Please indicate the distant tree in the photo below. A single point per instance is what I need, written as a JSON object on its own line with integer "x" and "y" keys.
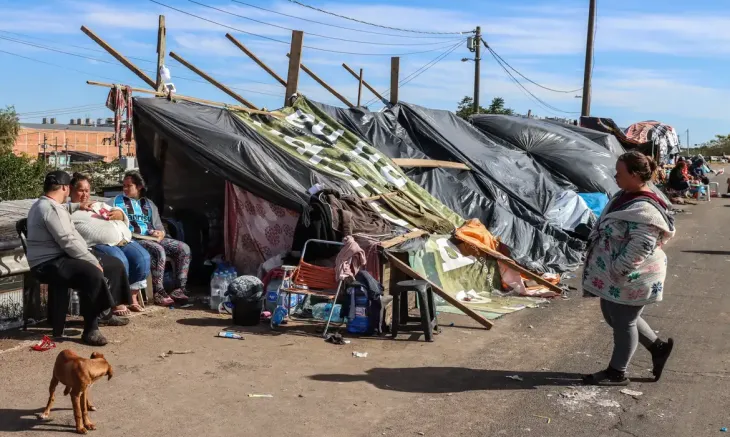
{"x": 21, "y": 177}
{"x": 9, "y": 129}
{"x": 465, "y": 109}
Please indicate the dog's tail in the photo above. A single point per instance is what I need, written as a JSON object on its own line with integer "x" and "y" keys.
{"x": 66, "y": 391}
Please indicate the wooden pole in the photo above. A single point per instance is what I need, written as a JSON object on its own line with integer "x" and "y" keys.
{"x": 295, "y": 60}
{"x": 359, "y": 89}
{"x": 394, "y": 72}
{"x": 364, "y": 82}
{"x": 193, "y": 99}
{"x": 215, "y": 83}
{"x": 325, "y": 85}
{"x": 250, "y": 54}
{"x": 161, "y": 43}
{"x": 119, "y": 57}
{"x": 429, "y": 163}
{"x": 405, "y": 268}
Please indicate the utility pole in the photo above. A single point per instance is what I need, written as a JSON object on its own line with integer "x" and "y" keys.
{"x": 588, "y": 71}
{"x": 45, "y": 146}
{"x": 687, "y": 142}
{"x": 55, "y": 152}
{"x": 477, "y": 61}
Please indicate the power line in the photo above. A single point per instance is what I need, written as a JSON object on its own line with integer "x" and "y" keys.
{"x": 190, "y": 79}
{"x": 373, "y": 24}
{"x": 420, "y": 70}
{"x": 286, "y": 42}
{"x": 47, "y": 111}
{"x": 316, "y": 34}
{"x": 527, "y": 78}
{"x": 61, "y": 66}
{"x": 337, "y": 26}
{"x": 514, "y": 79}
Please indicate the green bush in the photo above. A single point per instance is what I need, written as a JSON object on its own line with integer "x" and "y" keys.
{"x": 21, "y": 177}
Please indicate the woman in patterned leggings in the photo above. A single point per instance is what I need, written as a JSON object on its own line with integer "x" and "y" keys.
{"x": 146, "y": 226}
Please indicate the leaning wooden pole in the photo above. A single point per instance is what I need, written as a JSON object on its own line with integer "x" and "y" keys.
{"x": 295, "y": 60}
{"x": 364, "y": 82}
{"x": 210, "y": 79}
{"x": 326, "y": 86}
{"x": 161, "y": 43}
{"x": 119, "y": 57}
{"x": 255, "y": 58}
{"x": 359, "y": 89}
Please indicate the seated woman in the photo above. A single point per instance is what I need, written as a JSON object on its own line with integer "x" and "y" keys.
{"x": 106, "y": 230}
{"x": 146, "y": 226}
{"x": 678, "y": 180}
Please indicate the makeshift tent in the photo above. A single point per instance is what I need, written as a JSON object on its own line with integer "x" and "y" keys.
{"x": 568, "y": 156}
{"x": 277, "y": 159}
{"x": 663, "y": 138}
{"x": 607, "y": 125}
{"x": 506, "y": 189}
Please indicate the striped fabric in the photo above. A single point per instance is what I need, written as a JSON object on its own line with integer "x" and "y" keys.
{"x": 138, "y": 211}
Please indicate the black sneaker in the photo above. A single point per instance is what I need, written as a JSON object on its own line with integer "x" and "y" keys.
{"x": 660, "y": 352}
{"x": 609, "y": 377}
{"x": 94, "y": 338}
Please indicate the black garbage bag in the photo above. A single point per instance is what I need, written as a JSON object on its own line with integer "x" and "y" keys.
{"x": 247, "y": 295}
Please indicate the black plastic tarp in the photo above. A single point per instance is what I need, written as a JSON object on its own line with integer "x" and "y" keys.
{"x": 603, "y": 139}
{"x": 507, "y": 190}
{"x": 222, "y": 144}
{"x": 565, "y": 154}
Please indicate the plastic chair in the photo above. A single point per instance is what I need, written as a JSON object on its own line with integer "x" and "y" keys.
{"x": 428, "y": 322}
{"x": 710, "y": 190}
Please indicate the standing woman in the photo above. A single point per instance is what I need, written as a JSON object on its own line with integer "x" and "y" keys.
{"x": 144, "y": 220}
{"x": 626, "y": 267}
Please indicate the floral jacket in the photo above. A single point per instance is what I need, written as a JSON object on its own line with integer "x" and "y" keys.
{"x": 625, "y": 261}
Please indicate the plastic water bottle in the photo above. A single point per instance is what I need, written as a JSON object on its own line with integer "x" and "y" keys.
{"x": 280, "y": 312}
{"x": 75, "y": 304}
{"x": 216, "y": 290}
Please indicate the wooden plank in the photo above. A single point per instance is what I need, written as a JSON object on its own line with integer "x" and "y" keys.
{"x": 194, "y": 99}
{"x": 295, "y": 59}
{"x": 161, "y": 49}
{"x": 513, "y": 264}
{"x": 387, "y": 244}
{"x": 119, "y": 57}
{"x": 364, "y": 82}
{"x": 326, "y": 86}
{"x": 359, "y": 89}
{"x": 394, "y": 72}
{"x": 250, "y": 54}
{"x": 210, "y": 79}
{"x": 405, "y": 268}
{"x": 430, "y": 163}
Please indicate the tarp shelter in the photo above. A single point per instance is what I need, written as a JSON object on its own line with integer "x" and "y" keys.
{"x": 277, "y": 159}
{"x": 507, "y": 189}
{"x": 662, "y": 137}
{"x": 606, "y": 140}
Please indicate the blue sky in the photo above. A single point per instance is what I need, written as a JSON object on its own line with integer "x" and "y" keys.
{"x": 661, "y": 60}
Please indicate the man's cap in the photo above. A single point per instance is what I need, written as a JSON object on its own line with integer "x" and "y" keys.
{"x": 58, "y": 177}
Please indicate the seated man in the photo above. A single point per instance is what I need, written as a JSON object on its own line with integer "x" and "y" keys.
{"x": 57, "y": 254}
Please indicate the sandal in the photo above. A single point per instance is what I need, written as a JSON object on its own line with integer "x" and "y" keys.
{"x": 94, "y": 338}
{"x": 179, "y": 296}
{"x": 607, "y": 378}
{"x": 121, "y": 311}
{"x": 136, "y": 308}
{"x": 163, "y": 300}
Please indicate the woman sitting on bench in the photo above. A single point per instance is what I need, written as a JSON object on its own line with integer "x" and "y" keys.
{"x": 146, "y": 226}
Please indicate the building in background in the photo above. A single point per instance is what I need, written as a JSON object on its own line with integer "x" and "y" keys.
{"x": 81, "y": 135}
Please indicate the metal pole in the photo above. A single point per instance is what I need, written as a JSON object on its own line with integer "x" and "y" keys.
{"x": 588, "y": 71}
{"x": 687, "y": 142}
{"x": 477, "y": 61}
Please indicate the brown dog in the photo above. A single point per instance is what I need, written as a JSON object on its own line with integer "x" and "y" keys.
{"x": 78, "y": 375}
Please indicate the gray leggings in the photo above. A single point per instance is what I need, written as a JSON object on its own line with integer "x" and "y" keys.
{"x": 628, "y": 330}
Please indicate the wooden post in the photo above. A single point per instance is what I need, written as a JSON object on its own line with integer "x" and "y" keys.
{"x": 119, "y": 57}
{"x": 215, "y": 83}
{"x": 250, "y": 54}
{"x": 161, "y": 43}
{"x": 325, "y": 85}
{"x": 364, "y": 82}
{"x": 295, "y": 60}
{"x": 405, "y": 268}
{"x": 394, "y": 72}
{"x": 359, "y": 89}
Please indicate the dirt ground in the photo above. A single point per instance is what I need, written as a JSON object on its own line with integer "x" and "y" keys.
{"x": 456, "y": 386}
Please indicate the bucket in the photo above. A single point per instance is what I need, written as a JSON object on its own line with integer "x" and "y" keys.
{"x": 247, "y": 313}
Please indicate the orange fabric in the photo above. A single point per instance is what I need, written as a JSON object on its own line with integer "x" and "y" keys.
{"x": 474, "y": 232}
{"x": 315, "y": 277}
